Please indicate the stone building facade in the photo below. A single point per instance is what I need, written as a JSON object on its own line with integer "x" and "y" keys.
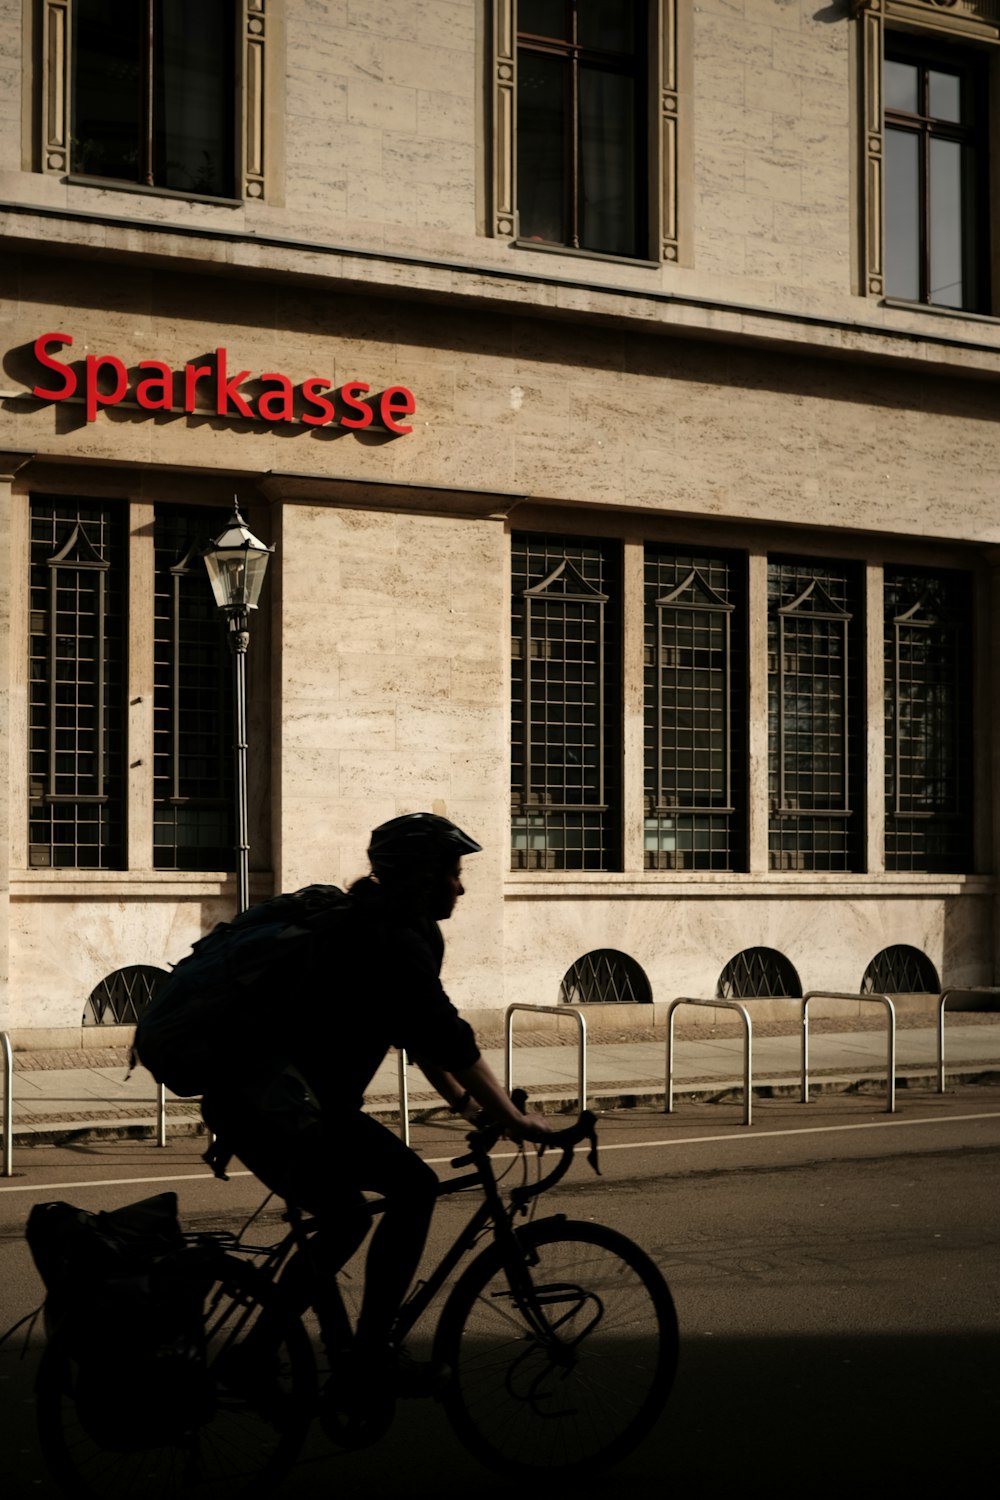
{"x": 618, "y": 385}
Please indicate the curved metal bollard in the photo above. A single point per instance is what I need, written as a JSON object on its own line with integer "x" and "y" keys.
{"x": 890, "y": 1039}
{"x": 404, "y": 1098}
{"x": 668, "y": 1103}
{"x": 8, "y": 1104}
{"x": 547, "y": 1010}
{"x": 946, "y": 996}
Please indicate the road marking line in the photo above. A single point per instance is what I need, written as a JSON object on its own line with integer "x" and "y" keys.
{"x": 437, "y": 1161}
{"x": 762, "y": 1135}
{"x": 51, "y": 1187}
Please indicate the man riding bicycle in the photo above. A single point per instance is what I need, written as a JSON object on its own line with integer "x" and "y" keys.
{"x": 297, "y": 1120}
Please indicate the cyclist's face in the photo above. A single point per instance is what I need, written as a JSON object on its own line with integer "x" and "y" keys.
{"x": 446, "y": 890}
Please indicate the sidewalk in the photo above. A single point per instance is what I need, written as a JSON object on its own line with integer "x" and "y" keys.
{"x": 59, "y": 1096}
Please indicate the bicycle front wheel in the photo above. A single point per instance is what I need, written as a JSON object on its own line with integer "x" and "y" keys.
{"x": 559, "y": 1363}
{"x": 231, "y": 1427}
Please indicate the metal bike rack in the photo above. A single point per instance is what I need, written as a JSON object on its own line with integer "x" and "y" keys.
{"x": 161, "y": 1114}
{"x": 8, "y": 1104}
{"x": 404, "y": 1099}
{"x": 547, "y": 1010}
{"x": 747, "y": 1049}
{"x": 890, "y": 1039}
{"x": 946, "y": 996}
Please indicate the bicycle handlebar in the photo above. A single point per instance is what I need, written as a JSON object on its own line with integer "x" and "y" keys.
{"x": 481, "y": 1143}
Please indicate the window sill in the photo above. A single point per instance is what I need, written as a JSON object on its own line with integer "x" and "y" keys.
{"x": 544, "y": 248}
{"x": 115, "y": 885}
{"x": 784, "y": 885}
{"x": 954, "y": 313}
{"x": 116, "y": 185}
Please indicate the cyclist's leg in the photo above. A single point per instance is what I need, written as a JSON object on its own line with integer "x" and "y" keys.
{"x": 372, "y": 1158}
{"x": 282, "y": 1138}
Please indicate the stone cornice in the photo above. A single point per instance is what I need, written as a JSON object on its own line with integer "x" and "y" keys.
{"x": 914, "y": 337}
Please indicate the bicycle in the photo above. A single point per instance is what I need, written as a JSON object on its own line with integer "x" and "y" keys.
{"x": 556, "y": 1348}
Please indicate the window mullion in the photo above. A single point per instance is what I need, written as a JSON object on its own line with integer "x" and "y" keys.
{"x": 139, "y": 668}
{"x": 148, "y": 94}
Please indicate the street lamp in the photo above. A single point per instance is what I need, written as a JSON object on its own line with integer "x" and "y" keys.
{"x": 236, "y": 563}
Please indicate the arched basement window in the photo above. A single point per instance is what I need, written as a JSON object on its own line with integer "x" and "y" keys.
{"x": 605, "y": 976}
{"x": 900, "y": 970}
{"x": 757, "y": 971}
{"x": 121, "y": 997}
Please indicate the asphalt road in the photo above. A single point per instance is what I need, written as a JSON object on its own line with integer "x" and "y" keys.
{"x": 835, "y": 1272}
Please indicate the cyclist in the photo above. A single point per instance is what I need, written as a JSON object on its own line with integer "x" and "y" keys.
{"x": 297, "y": 1121}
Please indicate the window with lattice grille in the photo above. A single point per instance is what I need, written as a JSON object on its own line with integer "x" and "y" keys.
{"x": 80, "y": 791}
{"x": 814, "y": 716}
{"x": 605, "y": 977}
{"x": 928, "y": 730}
{"x": 192, "y": 705}
{"x": 121, "y": 997}
{"x": 695, "y": 716}
{"x": 564, "y": 699}
{"x": 900, "y": 970}
{"x": 758, "y": 971}
{"x": 76, "y": 723}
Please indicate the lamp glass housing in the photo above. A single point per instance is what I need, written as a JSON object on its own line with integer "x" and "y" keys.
{"x": 236, "y": 563}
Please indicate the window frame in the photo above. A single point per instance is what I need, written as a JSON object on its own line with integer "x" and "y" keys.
{"x": 574, "y": 59}
{"x": 926, "y": 128}
{"x": 137, "y": 721}
{"x": 713, "y": 711}
{"x": 934, "y": 607}
{"x": 927, "y": 23}
{"x": 796, "y": 832}
{"x": 254, "y": 147}
{"x": 596, "y": 809}
{"x": 658, "y": 183}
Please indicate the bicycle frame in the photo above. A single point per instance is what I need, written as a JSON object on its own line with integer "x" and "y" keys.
{"x": 326, "y": 1300}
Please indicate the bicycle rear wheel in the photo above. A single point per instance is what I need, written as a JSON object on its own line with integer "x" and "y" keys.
{"x": 239, "y": 1430}
{"x": 562, "y": 1364}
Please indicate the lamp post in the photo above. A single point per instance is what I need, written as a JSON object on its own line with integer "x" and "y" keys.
{"x": 236, "y": 563}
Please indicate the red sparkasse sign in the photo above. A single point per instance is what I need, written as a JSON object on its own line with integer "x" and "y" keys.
{"x": 105, "y": 382}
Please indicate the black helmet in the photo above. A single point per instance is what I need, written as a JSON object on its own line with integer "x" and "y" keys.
{"x": 417, "y": 839}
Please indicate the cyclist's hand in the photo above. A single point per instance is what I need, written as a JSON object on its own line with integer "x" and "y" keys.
{"x": 531, "y": 1127}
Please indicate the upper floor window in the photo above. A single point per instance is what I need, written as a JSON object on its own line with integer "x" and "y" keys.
{"x": 582, "y": 89}
{"x": 936, "y": 214}
{"x": 166, "y": 96}
{"x": 153, "y": 93}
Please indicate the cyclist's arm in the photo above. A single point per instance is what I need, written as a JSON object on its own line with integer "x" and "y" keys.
{"x": 476, "y": 1087}
{"x": 487, "y": 1090}
{"x": 447, "y": 1085}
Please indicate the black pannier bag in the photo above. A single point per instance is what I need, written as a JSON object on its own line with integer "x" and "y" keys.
{"x": 124, "y": 1302}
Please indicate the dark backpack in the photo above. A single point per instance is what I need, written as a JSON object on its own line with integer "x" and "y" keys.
{"x": 189, "y": 1027}
{"x": 124, "y": 1304}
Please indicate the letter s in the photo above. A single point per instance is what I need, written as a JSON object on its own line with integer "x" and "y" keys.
{"x": 69, "y": 379}
{"x": 311, "y": 392}
{"x": 350, "y": 400}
